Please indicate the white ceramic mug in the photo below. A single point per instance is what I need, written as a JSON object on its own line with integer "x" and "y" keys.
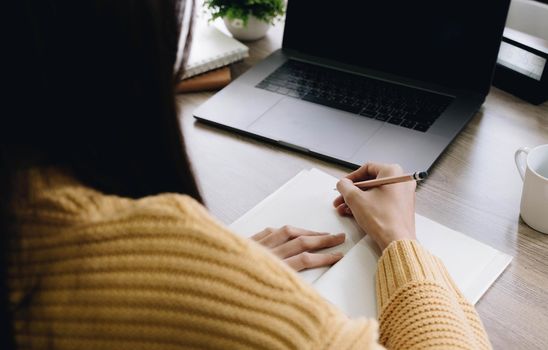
{"x": 532, "y": 165}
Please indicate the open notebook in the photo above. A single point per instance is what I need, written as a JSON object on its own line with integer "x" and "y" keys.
{"x": 305, "y": 201}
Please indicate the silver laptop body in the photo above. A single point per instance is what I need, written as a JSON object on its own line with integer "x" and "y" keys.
{"x": 349, "y": 136}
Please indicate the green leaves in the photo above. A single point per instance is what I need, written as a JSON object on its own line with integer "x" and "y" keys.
{"x": 265, "y": 10}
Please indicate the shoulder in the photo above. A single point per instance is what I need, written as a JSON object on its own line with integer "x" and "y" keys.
{"x": 52, "y": 198}
{"x": 174, "y": 217}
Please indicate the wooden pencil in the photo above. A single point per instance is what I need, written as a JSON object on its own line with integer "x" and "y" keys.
{"x": 418, "y": 176}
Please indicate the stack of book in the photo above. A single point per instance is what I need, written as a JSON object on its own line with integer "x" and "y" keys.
{"x": 211, "y": 53}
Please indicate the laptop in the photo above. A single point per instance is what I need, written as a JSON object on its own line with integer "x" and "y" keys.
{"x": 383, "y": 81}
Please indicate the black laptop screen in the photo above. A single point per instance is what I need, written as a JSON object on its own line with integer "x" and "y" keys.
{"x": 452, "y": 43}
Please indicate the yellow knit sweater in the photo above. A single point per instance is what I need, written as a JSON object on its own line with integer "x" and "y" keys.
{"x": 92, "y": 271}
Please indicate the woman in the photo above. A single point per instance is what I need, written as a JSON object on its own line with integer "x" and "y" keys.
{"x": 106, "y": 244}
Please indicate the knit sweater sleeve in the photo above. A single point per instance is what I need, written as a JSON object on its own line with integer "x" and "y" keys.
{"x": 420, "y": 306}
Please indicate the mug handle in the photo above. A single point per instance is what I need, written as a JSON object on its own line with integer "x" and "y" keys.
{"x": 520, "y": 157}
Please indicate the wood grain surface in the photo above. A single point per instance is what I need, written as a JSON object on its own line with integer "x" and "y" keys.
{"x": 474, "y": 188}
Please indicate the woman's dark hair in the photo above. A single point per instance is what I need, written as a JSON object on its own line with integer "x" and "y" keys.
{"x": 92, "y": 90}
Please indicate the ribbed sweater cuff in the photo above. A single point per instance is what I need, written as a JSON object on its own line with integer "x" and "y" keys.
{"x": 404, "y": 262}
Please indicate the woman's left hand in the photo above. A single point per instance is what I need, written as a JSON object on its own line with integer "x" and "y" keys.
{"x": 294, "y": 246}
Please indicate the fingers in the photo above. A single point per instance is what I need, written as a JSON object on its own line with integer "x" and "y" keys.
{"x": 338, "y": 201}
{"x": 365, "y": 172}
{"x": 348, "y": 191}
{"x": 370, "y": 171}
{"x": 373, "y": 170}
{"x": 277, "y": 237}
{"x": 294, "y": 244}
{"x": 309, "y": 260}
{"x": 258, "y": 236}
{"x": 344, "y": 210}
{"x": 307, "y": 243}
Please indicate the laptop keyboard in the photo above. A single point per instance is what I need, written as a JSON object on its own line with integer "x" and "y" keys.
{"x": 370, "y": 98}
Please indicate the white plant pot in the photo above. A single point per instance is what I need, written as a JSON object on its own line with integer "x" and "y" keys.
{"x": 254, "y": 30}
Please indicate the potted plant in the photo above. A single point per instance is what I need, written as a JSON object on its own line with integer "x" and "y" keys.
{"x": 246, "y": 19}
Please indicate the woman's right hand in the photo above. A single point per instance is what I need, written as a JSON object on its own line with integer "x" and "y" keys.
{"x": 386, "y": 213}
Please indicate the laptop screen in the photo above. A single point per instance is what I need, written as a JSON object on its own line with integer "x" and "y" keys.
{"x": 453, "y": 43}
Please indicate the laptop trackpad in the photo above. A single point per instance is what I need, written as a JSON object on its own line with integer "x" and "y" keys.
{"x": 314, "y": 127}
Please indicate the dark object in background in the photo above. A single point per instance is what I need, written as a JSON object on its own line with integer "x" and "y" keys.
{"x": 522, "y": 64}
{"x": 524, "y": 72}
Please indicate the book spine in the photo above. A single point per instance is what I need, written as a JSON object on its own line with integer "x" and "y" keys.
{"x": 214, "y": 63}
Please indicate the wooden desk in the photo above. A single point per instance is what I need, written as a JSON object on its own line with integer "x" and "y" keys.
{"x": 474, "y": 188}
